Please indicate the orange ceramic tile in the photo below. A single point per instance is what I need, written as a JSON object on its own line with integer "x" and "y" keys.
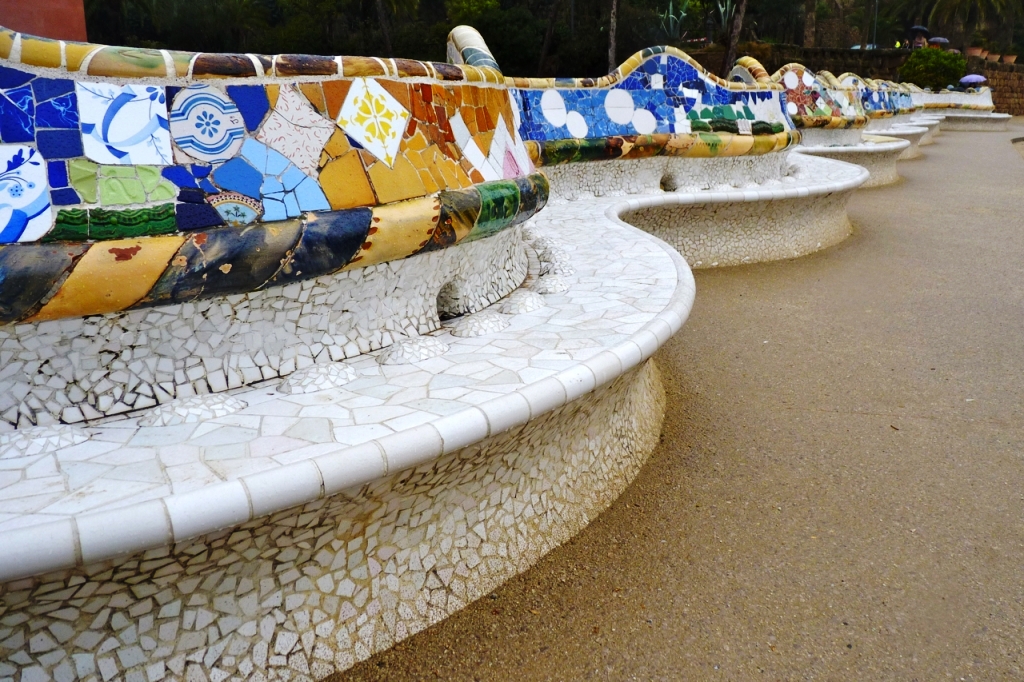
{"x": 273, "y": 91}
{"x": 315, "y": 96}
{"x": 483, "y": 120}
{"x": 75, "y": 54}
{"x": 128, "y": 61}
{"x": 483, "y": 140}
{"x": 345, "y": 183}
{"x": 334, "y": 95}
{"x": 397, "y": 231}
{"x": 6, "y": 42}
{"x": 111, "y": 276}
{"x": 397, "y": 183}
{"x": 398, "y": 90}
{"x": 40, "y": 52}
{"x": 475, "y": 175}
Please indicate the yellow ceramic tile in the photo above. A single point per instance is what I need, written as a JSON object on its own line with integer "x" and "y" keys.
{"x": 428, "y": 181}
{"x": 337, "y": 145}
{"x": 483, "y": 141}
{"x": 397, "y": 230}
{"x": 345, "y": 183}
{"x": 111, "y": 276}
{"x": 182, "y": 60}
{"x": 75, "y": 54}
{"x": 273, "y": 91}
{"x": 417, "y": 142}
{"x": 6, "y": 42}
{"x": 40, "y": 52}
{"x": 396, "y": 183}
{"x": 433, "y": 165}
{"x": 128, "y": 61}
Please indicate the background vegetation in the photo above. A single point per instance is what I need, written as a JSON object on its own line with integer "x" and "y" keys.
{"x": 538, "y": 37}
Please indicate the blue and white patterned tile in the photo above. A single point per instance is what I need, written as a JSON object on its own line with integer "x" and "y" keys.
{"x": 206, "y": 124}
{"x": 25, "y": 213}
{"x": 124, "y": 125}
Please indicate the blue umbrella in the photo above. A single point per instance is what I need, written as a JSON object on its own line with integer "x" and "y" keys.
{"x": 973, "y": 79}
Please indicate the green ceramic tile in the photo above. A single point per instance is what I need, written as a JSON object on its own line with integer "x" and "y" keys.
{"x": 72, "y": 225}
{"x": 137, "y": 222}
{"x": 82, "y": 173}
{"x": 157, "y": 187}
{"x": 498, "y": 207}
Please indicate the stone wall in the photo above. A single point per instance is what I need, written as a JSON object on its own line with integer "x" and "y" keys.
{"x": 1006, "y": 81}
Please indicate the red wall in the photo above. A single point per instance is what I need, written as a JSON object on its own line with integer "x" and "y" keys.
{"x": 64, "y": 19}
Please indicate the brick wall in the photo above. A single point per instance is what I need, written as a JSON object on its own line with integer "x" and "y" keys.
{"x": 1006, "y": 81}
{"x": 63, "y": 19}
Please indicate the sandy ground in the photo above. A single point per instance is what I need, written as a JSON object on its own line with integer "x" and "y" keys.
{"x": 838, "y": 491}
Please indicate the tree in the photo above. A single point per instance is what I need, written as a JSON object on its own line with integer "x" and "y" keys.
{"x": 733, "y": 38}
{"x": 612, "y": 21}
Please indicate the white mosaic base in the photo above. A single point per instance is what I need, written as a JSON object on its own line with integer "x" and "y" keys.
{"x": 931, "y": 124}
{"x": 192, "y": 410}
{"x": 975, "y": 122}
{"x": 877, "y": 154}
{"x": 412, "y": 350}
{"x": 522, "y": 301}
{"x": 86, "y": 368}
{"x": 310, "y": 591}
{"x": 478, "y": 324}
{"x": 317, "y": 378}
{"x": 40, "y": 439}
{"x": 912, "y": 134}
{"x": 662, "y": 173}
{"x": 947, "y": 98}
{"x": 825, "y": 137}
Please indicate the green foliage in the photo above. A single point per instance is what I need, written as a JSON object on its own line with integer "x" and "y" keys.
{"x": 466, "y": 11}
{"x": 933, "y": 69}
{"x": 672, "y": 23}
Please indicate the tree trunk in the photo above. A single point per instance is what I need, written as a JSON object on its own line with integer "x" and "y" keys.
{"x": 548, "y": 35}
{"x": 385, "y": 31}
{"x": 810, "y": 7}
{"x": 612, "y": 63}
{"x": 865, "y": 34}
{"x": 733, "y": 38}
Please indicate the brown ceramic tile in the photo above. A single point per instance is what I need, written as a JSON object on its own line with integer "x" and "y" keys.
{"x": 345, "y": 183}
{"x": 40, "y": 52}
{"x": 398, "y": 90}
{"x": 334, "y": 95}
{"x": 408, "y": 68}
{"x": 448, "y": 72}
{"x": 305, "y": 65}
{"x": 212, "y": 65}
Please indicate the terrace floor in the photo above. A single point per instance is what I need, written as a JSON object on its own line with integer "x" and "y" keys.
{"x": 839, "y": 492}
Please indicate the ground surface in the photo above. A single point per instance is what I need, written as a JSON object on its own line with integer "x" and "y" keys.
{"x": 839, "y": 492}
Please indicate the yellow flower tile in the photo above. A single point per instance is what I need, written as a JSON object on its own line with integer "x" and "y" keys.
{"x": 111, "y": 276}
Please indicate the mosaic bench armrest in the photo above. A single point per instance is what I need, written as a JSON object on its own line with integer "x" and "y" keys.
{"x": 658, "y": 102}
{"x": 119, "y": 188}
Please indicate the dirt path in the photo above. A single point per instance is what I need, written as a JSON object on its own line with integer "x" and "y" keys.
{"x": 839, "y": 493}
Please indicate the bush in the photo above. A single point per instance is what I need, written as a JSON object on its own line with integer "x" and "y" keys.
{"x": 935, "y": 69}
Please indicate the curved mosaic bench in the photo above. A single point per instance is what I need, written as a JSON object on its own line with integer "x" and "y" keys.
{"x": 833, "y": 119}
{"x": 714, "y": 155}
{"x": 306, "y": 515}
{"x": 964, "y": 111}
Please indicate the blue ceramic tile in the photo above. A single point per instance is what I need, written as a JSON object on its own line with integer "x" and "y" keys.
{"x": 310, "y": 197}
{"x": 273, "y": 209}
{"x": 180, "y": 176}
{"x": 328, "y": 242}
{"x": 12, "y": 78}
{"x": 24, "y": 195}
{"x": 57, "y": 171}
{"x": 60, "y": 112}
{"x": 192, "y": 195}
{"x": 196, "y": 216}
{"x": 252, "y": 101}
{"x": 239, "y": 176}
{"x": 64, "y": 197}
{"x": 291, "y": 205}
{"x": 48, "y": 88}
{"x": 17, "y": 113}
{"x": 59, "y": 144}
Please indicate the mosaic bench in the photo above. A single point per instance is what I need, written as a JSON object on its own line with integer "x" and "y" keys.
{"x": 294, "y": 363}
{"x": 712, "y": 156}
{"x": 963, "y": 111}
{"x": 831, "y": 118}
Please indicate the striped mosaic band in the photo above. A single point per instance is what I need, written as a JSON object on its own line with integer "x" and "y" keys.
{"x": 59, "y": 279}
{"x": 133, "y": 62}
{"x": 695, "y": 145}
